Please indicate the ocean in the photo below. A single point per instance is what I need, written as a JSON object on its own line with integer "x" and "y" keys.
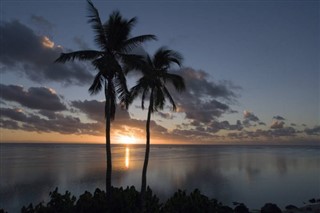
{"x": 251, "y": 174}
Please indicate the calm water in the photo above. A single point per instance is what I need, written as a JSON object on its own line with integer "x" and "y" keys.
{"x": 250, "y": 174}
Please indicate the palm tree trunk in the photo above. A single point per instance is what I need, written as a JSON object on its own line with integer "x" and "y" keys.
{"x": 108, "y": 140}
{"x": 146, "y": 157}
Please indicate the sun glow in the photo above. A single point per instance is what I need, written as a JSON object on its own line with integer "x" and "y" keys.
{"x": 47, "y": 43}
{"x": 125, "y": 139}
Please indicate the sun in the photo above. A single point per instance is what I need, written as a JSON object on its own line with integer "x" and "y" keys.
{"x": 125, "y": 139}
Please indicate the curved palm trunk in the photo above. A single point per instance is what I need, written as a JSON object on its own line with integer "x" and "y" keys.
{"x": 108, "y": 140}
{"x": 146, "y": 157}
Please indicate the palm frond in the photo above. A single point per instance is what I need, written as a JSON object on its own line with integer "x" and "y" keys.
{"x": 97, "y": 26}
{"x": 163, "y": 58}
{"x": 143, "y": 97}
{"x": 159, "y": 98}
{"x": 117, "y": 30}
{"x": 134, "y": 92}
{"x": 97, "y": 84}
{"x": 167, "y": 94}
{"x": 83, "y": 55}
{"x": 131, "y": 23}
{"x": 122, "y": 89}
{"x": 176, "y": 80}
{"x": 132, "y": 43}
{"x": 131, "y": 62}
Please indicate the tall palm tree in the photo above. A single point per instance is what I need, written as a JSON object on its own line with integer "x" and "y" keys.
{"x": 154, "y": 80}
{"x": 114, "y": 41}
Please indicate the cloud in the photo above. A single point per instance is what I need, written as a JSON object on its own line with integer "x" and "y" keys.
{"x": 279, "y": 118}
{"x": 94, "y": 110}
{"x": 249, "y": 116}
{"x": 34, "y": 98}
{"x": 8, "y": 124}
{"x": 41, "y": 22}
{"x": 165, "y": 115}
{"x": 203, "y": 100}
{"x": 313, "y": 131}
{"x": 49, "y": 114}
{"x": 224, "y": 125}
{"x": 63, "y": 124}
{"x": 123, "y": 121}
{"x": 81, "y": 43}
{"x": 263, "y": 134}
{"x": 24, "y": 51}
{"x": 277, "y": 125}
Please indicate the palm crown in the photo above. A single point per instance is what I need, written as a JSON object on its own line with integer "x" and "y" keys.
{"x": 114, "y": 41}
{"x": 156, "y": 76}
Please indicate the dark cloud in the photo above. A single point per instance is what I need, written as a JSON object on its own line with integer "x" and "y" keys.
{"x": 49, "y": 114}
{"x": 41, "y": 22}
{"x": 8, "y": 124}
{"x": 203, "y": 100}
{"x": 13, "y": 114}
{"x": 165, "y": 115}
{"x": 81, "y": 43}
{"x": 191, "y": 135}
{"x": 285, "y": 131}
{"x": 63, "y": 124}
{"x": 277, "y": 125}
{"x": 25, "y": 52}
{"x": 313, "y": 131}
{"x": 34, "y": 98}
{"x": 92, "y": 109}
{"x": 250, "y": 116}
{"x": 216, "y": 126}
{"x": 279, "y": 118}
{"x": 267, "y": 134}
{"x": 123, "y": 121}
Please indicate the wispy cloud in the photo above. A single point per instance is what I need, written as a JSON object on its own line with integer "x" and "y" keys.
{"x": 279, "y": 118}
{"x": 313, "y": 131}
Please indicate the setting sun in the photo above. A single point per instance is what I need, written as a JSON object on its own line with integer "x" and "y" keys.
{"x": 125, "y": 139}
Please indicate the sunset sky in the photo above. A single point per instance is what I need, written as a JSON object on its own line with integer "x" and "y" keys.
{"x": 251, "y": 69}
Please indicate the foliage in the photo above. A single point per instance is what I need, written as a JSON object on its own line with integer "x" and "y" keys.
{"x": 128, "y": 201}
{"x": 122, "y": 200}
{"x": 195, "y": 202}
{"x": 115, "y": 43}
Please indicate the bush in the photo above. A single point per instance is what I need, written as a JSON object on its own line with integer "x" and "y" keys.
{"x": 195, "y": 202}
{"x": 122, "y": 201}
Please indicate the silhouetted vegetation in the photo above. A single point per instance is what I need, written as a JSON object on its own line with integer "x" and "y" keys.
{"x": 115, "y": 44}
{"x": 128, "y": 200}
{"x": 154, "y": 81}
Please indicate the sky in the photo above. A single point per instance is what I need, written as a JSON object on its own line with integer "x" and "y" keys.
{"x": 251, "y": 70}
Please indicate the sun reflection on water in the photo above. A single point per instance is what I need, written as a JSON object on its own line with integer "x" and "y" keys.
{"x": 127, "y": 158}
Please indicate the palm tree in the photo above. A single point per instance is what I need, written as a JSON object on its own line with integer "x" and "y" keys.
{"x": 155, "y": 77}
{"x": 114, "y": 41}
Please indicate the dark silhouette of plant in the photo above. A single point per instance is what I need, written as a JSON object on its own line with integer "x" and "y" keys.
{"x": 123, "y": 201}
{"x": 58, "y": 203}
{"x": 113, "y": 39}
{"x": 195, "y": 202}
{"x": 241, "y": 208}
{"x": 270, "y": 208}
{"x": 154, "y": 80}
